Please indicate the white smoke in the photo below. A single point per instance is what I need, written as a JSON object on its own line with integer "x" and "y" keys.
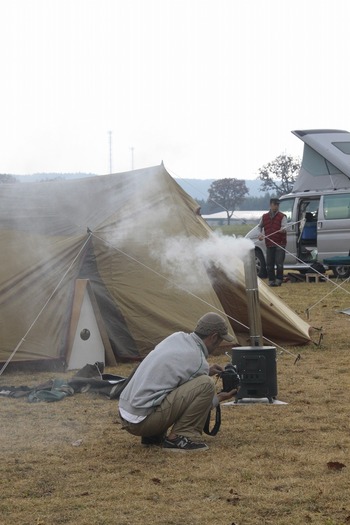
{"x": 187, "y": 258}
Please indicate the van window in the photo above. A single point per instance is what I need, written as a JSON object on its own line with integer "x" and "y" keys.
{"x": 316, "y": 164}
{"x": 310, "y": 207}
{"x": 336, "y": 206}
{"x": 343, "y": 146}
{"x": 286, "y": 207}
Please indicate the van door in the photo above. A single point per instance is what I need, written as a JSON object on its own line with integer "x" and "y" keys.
{"x": 306, "y": 228}
{"x": 287, "y": 207}
{"x": 333, "y": 226}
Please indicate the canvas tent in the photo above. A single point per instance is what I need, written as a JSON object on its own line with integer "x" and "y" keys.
{"x": 325, "y": 164}
{"x": 109, "y": 239}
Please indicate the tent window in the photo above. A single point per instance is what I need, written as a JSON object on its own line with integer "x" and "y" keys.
{"x": 336, "y": 206}
{"x": 316, "y": 164}
{"x": 343, "y": 146}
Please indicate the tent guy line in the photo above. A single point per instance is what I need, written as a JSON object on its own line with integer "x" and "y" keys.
{"x": 167, "y": 279}
{"x": 314, "y": 270}
{"x": 90, "y": 234}
{"x": 191, "y": 293}
{"x": 335, "y": 287}
{"x": 43, "y": 308}
{"x": 149, "y": 216}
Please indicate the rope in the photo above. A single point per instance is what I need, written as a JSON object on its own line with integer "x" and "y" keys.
{"x": 43, "y": 308}
{"x": 188, "y": 292}
{"x": 286, "y": 251}
{"x": 336, "y": 285}
{"x": 90, "y": 233}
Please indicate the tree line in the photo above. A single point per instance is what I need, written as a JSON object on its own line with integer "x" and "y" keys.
{"x": 248, "y": 204}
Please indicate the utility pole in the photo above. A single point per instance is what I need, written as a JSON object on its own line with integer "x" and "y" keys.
{"x": 110, "y": 152}
{"x": 132, "y": 157}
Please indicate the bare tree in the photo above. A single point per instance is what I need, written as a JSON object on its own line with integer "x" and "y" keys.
{"x": 279, "y": 175}
{"x": 228, "y": 193}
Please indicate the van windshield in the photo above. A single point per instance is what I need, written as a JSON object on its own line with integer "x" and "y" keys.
{"x": 286, "y": 207}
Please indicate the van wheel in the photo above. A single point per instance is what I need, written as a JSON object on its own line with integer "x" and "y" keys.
{"x": 341, "y": 271}
{"x": 260, "y": 265}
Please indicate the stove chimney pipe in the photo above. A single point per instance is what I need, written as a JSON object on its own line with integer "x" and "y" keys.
{"x": 255, "y": 364}
{"x": 251, "y": 283}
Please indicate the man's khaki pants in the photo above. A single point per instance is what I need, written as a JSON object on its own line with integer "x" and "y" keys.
{"x": 186, "y": 409}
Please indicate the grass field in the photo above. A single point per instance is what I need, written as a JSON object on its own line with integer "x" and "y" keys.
{"x": 234, "y": 229}
{"x": 70, "y": 463}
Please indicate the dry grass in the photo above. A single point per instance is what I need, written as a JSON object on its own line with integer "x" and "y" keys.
{"x": 267, "y": 465}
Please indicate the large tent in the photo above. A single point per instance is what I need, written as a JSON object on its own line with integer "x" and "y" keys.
{"x": 134, "y": 241}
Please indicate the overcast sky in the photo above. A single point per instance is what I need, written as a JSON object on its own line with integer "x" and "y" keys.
{"x": 212, "y": 88}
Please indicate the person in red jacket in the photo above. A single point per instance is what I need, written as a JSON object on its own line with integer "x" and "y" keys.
{"x": 274, "y": 224}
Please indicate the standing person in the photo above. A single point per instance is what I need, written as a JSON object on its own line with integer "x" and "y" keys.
{"x": 172, "y": 388}
{"x": 274, "y": 224}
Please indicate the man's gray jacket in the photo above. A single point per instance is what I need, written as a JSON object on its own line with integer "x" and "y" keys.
{"x": 176, "y": 360}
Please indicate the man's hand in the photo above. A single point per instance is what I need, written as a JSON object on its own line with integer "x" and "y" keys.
{"x": 261, "y": 237}
{"x": 215, "y": 370}
{"x": 225, "y": 396}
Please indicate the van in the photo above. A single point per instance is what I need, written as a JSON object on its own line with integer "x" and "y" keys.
{"x": 318, "y": 229}
{"x": 318, "y": 208}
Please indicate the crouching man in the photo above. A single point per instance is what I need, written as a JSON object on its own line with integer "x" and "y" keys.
{"x": 172, "y": 390}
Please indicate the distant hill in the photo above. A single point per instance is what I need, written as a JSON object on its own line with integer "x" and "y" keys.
{"x": 39, "y": 177}
{"x": 196, "y": 188}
